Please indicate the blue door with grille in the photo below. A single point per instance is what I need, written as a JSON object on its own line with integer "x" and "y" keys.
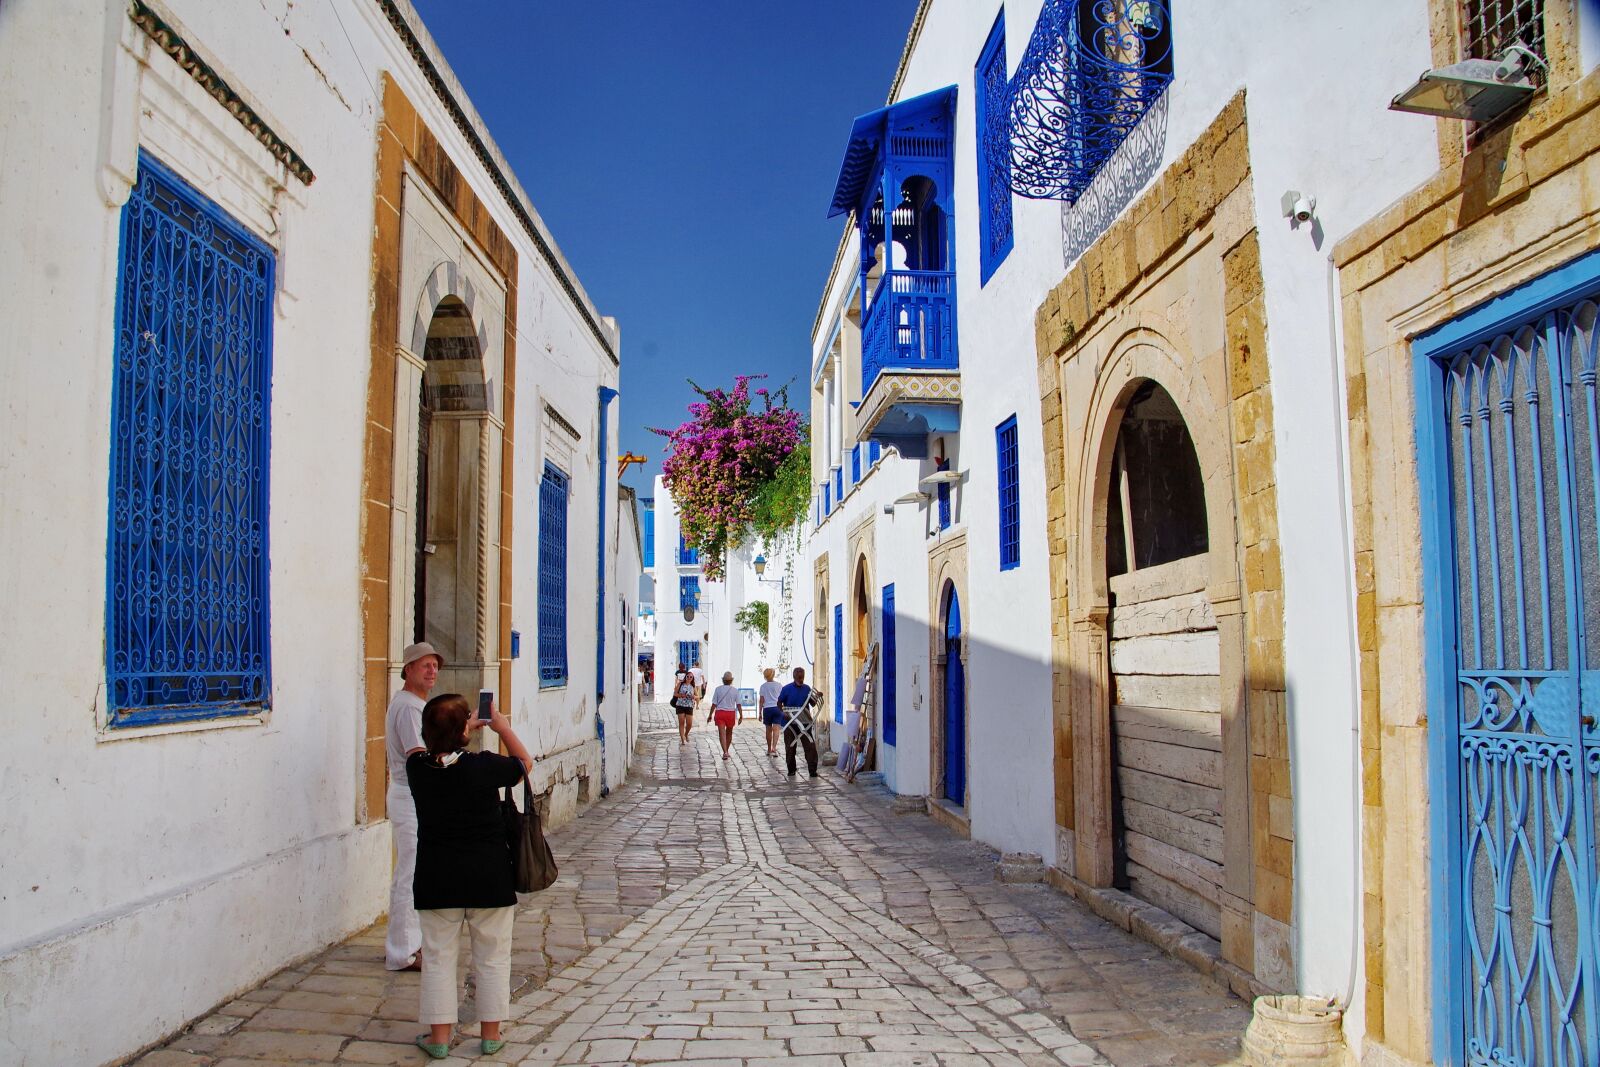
{"x": 1509, "y": 443}
{"x": 955, "y": 706}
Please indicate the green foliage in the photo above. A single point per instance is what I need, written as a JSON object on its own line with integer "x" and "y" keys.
{"x": 782, "y": 500}
{"x": 754, "y": 618}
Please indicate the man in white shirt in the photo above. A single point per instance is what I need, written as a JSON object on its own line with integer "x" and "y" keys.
{"x": 402, "y": 730}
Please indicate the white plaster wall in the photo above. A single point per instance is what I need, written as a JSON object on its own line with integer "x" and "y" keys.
{"x": 1319, "y": 78}
{"x": 210, "y": 855}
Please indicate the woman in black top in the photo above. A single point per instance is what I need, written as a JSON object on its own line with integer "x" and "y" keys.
{"x": 463, "y": 867}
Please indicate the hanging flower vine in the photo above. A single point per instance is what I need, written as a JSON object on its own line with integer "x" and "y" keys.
{"x": 739, "y": 469}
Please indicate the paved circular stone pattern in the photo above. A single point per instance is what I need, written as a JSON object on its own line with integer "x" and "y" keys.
{"x": 720, "y": 913}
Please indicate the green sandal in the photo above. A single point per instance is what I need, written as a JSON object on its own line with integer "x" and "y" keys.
{"x": 437, "y": 1052}
{"x": 491, "y": 1045}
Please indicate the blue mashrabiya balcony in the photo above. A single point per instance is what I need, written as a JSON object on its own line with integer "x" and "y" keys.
{"x": 897, "y": 179}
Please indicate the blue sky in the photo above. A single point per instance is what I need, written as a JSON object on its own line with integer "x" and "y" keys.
{"x": 683, "y": 155}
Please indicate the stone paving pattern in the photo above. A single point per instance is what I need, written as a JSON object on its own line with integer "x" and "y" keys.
{"x": 719, "y": 913}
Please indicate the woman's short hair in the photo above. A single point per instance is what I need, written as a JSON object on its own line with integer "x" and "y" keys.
{"x": 444, "y": 723}
{"x": 768, "y": 673}
{"x": 727, "y": 677}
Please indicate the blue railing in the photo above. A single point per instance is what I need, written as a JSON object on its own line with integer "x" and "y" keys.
{"x": 911, "y": 324}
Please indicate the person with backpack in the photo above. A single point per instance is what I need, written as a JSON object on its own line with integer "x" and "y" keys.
{"x": 683, "y": 699}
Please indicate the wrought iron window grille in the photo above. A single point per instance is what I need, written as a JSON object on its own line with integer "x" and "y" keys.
{"x": 1010, "y": 494}
{"x": 187, "y": 605}
{"x": 553, "y": 577}
{"x": 1091, "y": 72}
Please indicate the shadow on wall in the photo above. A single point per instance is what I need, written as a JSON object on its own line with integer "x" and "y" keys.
{"x": 1127, "y": 172}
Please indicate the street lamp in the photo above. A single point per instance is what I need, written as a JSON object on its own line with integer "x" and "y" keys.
{"x": 760, "y": 564}
{"x": 1479, "y": 90}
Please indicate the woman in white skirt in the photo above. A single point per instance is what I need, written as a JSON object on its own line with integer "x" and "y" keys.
{"x": 463, "y": 868}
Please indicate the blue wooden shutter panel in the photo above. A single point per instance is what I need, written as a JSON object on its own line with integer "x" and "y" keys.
{"x": 187, "y": 605}
{"x": 993, "y": 154}
{"x": 889, "y": 713}
{"x": 1010, "y": 503}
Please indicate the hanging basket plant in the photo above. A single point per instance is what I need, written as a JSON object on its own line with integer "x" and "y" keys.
{"x": 739, "y": 469}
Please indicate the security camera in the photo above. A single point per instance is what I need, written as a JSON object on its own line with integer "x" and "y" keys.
{"x": 1298, "y": 207}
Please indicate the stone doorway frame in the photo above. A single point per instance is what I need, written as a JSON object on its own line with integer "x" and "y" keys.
{"x": 947, "y": 567}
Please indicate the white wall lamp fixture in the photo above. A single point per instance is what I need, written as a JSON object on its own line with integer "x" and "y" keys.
{"x": 908, "y": 498}
{"x": 1477, "y": 90}
{"x": 1298, "y": 208}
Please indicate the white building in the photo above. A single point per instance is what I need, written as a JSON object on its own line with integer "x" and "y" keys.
{"x": 297, "y": 377}
{"x": 1121, "y": 627}
{"x": 709, "y": 634}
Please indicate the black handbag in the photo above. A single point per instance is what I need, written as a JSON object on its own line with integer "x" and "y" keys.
{"x": 533, "y": 865}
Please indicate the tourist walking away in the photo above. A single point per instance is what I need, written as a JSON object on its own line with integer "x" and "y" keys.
{"x": 683, "y": 698}
{"x": 771, "y": 714}
{"x": 464, "y": 871}
{"x": 795, "y": 701}
{"x": 699, "y": 685}
{"x": 402, "y": 732}
{"x": 725, "y": 706}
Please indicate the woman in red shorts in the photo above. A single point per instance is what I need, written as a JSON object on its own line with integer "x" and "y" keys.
{"x": 726, "y": 710}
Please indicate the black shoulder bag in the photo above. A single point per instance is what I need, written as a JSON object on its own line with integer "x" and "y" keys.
{"x": 533, "y": 865}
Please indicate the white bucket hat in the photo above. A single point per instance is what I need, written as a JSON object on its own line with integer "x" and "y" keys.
{"x": 416, "y": 652}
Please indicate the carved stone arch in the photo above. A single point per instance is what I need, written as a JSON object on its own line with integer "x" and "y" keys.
{"x": 1143, "y": 353}
{"x": 446, "y": 280}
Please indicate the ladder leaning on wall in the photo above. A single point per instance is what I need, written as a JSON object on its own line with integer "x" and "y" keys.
{"x": 862, "y": 746}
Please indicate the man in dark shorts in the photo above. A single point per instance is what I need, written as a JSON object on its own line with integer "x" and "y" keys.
{"x": 795, "y": 702}
{"x": 683, "y": 698}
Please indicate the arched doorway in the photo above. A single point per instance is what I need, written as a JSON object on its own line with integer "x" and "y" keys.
{"x": 1166, "y": 726}
{"x": 955, "y": 701}
{"x": 451, "y": 556}
{"x": 861, "y": 642}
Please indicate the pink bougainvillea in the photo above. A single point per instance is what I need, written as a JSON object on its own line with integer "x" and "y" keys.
{"x": 722, "y": 463}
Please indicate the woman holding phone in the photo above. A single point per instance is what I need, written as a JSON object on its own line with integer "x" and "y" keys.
{"x": 464, "y": 873}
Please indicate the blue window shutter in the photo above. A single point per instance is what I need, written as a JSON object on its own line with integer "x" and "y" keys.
{"x": 874, "y": 452}
{"x": 993, "y": 153}
{"x": 607, "y": 394}
{"x": 943, "y": 495}
{"x": 648, "y": 508}
{"x": 689, "y": 653}
{"x": 688, "y": 592}
{"x": 888, "y": 665}
{"x": 838, "y": 663}
{"x": 1010, "y": 509}
{"x": 187, "y": 604}
{"x": 553, "y": 577}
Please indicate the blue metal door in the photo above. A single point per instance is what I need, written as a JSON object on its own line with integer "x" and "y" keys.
{"x": 955, "y": 707}
{"x": 1511, "y": 461}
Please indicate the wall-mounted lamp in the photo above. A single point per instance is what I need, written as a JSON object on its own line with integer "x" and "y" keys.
{"x": 1297, "y": 207}
{"x": 1478, "y": 90}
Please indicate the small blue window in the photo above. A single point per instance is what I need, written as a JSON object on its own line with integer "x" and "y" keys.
{"x": 689, "y": 653}
{"x": 874, "y": 452}
{"x": 838, "y": 663}
{"x": 687, "y": 557}
{"x": 827, "y": 498}
{"x": 943, "y": 496}
{"x": 993, "y": 153}
{"x": 552, "y": 577}
{"x": 186, "y": 600}
{"x": 855, "y": 464}
{"x": 1010, "y": 511}
{"x": 888, "y": 665}
{"x": 688, "y": 592}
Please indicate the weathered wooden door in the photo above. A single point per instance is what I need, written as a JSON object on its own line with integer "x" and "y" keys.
{"x": 1510, "y": 448}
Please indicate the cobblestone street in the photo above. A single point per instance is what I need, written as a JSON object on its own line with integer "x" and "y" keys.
{"x": 723, "y": 914}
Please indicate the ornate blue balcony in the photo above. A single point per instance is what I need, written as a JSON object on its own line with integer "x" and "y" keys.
{"x": 1092, "y": 71}
{"x": 897, "y": 179}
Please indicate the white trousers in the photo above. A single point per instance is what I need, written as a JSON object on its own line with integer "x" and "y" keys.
{"x": 491, "y": 962}
{"x": 405, "y": 934}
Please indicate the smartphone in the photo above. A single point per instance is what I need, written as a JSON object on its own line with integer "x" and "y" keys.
{"x": 485, "y": 702}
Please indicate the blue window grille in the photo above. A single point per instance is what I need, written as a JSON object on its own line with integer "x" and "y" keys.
{"x": 888, "y": 665}
{"x": 647, "y": 507}
{"x": 187, "y": 608}
{"x": 688, "y": 592}
{"x": 855, "y": 464}
{"x": 1010, "y": 510}
{"x": 1090, "y": 74}
{"x": 553, "y": 577}
{"x": 993, "y": 153}
{"x": 942, "y": 494}
{"x": 687, "y": 557}
{"x": 838, "y": 663}
{"x": 689, "y": 653}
